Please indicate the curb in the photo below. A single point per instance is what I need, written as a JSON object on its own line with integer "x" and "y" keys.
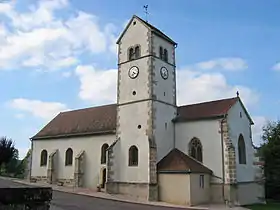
{"x": 106, "y": 198}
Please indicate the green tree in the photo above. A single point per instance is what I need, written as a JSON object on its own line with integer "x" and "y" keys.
{"x": 12, "y": 165}
{"x": 7, "y": 150}
{"x": 270, "y": 152}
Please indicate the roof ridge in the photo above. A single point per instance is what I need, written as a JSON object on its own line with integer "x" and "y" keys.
{"x": 92, "y": 107}
{"x": 206, "y": 102}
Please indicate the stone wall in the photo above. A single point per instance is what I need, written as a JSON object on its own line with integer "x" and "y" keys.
{"x": 35, "y": 198}
{"x": 230, "y": 185}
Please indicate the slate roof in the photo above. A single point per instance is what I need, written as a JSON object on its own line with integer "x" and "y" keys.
{"x": 102, "y": 119}
{"x": 177, "y": 161}
{"x": 151, "y": 27}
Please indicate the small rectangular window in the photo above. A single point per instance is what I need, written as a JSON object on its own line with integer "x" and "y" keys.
{"x": 165, "y": 126}
{"x": 201, "y": 181}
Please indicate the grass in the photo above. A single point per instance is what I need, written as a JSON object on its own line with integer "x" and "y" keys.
{"x": 269, "y": 206}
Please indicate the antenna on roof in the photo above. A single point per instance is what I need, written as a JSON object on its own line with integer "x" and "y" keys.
{"x": 146, "y": 11}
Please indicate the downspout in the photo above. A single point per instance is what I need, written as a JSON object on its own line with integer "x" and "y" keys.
{"x": 223, "y": 157}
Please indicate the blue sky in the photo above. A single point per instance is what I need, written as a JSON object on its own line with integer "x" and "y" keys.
{"x": 59, "y": 55}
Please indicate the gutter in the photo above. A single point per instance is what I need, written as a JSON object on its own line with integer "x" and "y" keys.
{"x": 223, "y": 158}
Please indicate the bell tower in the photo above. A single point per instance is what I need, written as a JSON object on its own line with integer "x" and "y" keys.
{"x": 146, "y": 105}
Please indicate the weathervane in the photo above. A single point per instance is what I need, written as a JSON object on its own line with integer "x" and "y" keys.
{"x": 146, "y": 11}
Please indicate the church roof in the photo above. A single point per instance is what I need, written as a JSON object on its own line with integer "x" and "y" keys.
{"x": 102, "y": 119}
{"x": 177, "y": 161}
{"x": 149, "y": 26}
{"x": 206, "y": 110}
{"x": 94, "y": 120}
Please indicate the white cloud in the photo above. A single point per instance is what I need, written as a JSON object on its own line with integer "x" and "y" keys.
{"x": 276, "y": 67}
{"x": 40, "y": 38}
{"x": 195, "y": 86}
{"x": 19, "y": 116}
{"x": 97, "y": 86}
{"x": 259, "y": 122}
{"x": 5, "y": 8}
{"x": 229, "y": 64}
{"x": 67, "y": 74}
{"x": 37, "y": 108}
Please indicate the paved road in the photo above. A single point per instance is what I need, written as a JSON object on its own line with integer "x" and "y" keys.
{"x": 68, "y": 201}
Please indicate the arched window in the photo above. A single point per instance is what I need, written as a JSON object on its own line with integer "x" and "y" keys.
{"x": 241, "y": 150}
{"x": 160, "y": 52}
{"x": 195, "y": 149}
{"x": 133, "y": 156}
{"x": 130, "y": 54}
{"x": 44, "y": 158}
{"x": 103, "y": 153}
{"x": 165, "y": 55}
{"x": 137, "y": 52}
{"x": 69, "y": 157}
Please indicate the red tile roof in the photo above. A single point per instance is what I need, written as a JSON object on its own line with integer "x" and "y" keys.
{"x": 94, "y": 120}
{"x": 177, "y": 161}
{"x": 102, "y": 119}
{"x": 204, "y": 110}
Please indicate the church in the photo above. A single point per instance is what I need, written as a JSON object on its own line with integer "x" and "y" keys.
{"x": 145, "y": 145}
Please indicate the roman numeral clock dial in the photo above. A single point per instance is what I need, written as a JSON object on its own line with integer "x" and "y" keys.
{"x": 133, "y": 72}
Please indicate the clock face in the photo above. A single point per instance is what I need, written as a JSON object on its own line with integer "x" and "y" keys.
{"x": 133, "y": 72}
{"x": 164, "y": 72}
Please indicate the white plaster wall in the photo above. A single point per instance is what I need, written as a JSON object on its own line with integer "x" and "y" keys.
{"x": 242, "y": 126}
{"x": 199, "y": 195}
{"x": 130, "y": 116}
{"x": 92, "y": 147}
{"x": 164, "y": 128}
{"x": 139, "y": 84}
{"x": 174, "y": 188}
{"x": 208, "y": 133}
{"x": 135, "y": 34}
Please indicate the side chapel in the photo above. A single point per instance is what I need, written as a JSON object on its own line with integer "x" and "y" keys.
{"x": 147, "y": 146}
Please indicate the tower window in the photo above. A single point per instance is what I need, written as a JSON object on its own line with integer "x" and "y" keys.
{"x": 139, "y": 126}
{"x": 160, "y": 53}
{"x": 130, "y": 54}
{"x": 134, "y": 93}
{"x": 133, "y": 156}
{"x": 137, "y": 51}
{"x": 134, "y": 52}
{"x": 165, "y": 55}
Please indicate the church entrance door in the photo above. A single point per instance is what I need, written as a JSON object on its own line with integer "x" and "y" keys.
{"x": 103, "y": 178}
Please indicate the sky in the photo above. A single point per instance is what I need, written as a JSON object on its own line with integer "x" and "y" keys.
{"x": 58, "y": 55}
